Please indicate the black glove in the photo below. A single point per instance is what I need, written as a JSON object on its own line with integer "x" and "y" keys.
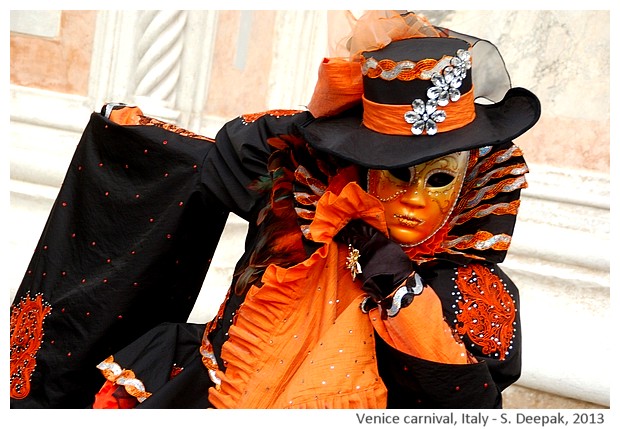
{"x": 384, "y": 265}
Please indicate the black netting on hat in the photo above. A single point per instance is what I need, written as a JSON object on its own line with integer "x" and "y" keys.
{"x": 490, "y": 76}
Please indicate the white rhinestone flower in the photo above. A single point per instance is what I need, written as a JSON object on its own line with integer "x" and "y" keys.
{"x": 424, "y": 116}
{"x": 446, "y": 85}
{"x": 445, "y": 88}
{"x": 461, "y": 63}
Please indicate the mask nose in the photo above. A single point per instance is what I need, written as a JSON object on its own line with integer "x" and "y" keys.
{"x": 414, "y": 196}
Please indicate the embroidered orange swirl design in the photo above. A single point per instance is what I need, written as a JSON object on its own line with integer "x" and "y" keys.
{"x": 402, "y": 70}
{"x": 148, "y": 121}
{"x": 26, "y": 334}
{"x": 487, "y": 310}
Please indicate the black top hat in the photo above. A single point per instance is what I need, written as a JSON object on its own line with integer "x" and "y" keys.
{"x": 418, "y": 104}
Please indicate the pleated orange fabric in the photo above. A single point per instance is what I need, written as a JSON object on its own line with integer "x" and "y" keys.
{"x": 301, "y": 341}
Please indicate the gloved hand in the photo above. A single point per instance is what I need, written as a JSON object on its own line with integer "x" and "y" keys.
{"x": 384, "y": 265}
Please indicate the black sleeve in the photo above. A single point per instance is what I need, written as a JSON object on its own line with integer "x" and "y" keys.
{"x": 481, "y": 304}
{"x": 126, "y": 246}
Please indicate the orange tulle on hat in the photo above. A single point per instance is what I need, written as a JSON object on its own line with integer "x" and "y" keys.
{"x": 339, "y": 85}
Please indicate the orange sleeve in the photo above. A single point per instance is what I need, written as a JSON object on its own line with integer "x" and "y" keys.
{"x": 421, "y": 331}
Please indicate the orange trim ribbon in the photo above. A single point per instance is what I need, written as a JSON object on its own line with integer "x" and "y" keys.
{"x": 390, "y": 118}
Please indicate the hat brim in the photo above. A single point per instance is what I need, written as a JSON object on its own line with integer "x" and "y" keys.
{"x": 346, "y": 137}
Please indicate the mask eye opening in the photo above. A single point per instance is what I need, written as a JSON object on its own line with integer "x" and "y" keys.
{"x": 440, "y": 179}
{"x": 403, "y": 174}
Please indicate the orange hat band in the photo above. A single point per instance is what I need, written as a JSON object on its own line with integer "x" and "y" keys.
{"x": 411, "y": 120}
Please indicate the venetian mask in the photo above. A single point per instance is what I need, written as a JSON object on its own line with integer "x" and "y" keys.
{"x": 418, "y": 200}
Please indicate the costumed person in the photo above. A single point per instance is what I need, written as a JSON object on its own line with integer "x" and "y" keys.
{"x": 377, "y": 220}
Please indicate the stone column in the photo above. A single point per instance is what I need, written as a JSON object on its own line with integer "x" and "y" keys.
{"x": 196, "y": 62}
{"x": 158, "y": 60}
{"x": 296, "y": 59}
{"x": 158, "y": 50}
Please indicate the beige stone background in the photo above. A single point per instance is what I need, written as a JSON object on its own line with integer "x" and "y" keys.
{"x": 249, "y": 61}
{"x": 571, "y": 79}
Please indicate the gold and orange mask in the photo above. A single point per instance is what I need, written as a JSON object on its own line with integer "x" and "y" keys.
{"x": 418, "y": 200}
